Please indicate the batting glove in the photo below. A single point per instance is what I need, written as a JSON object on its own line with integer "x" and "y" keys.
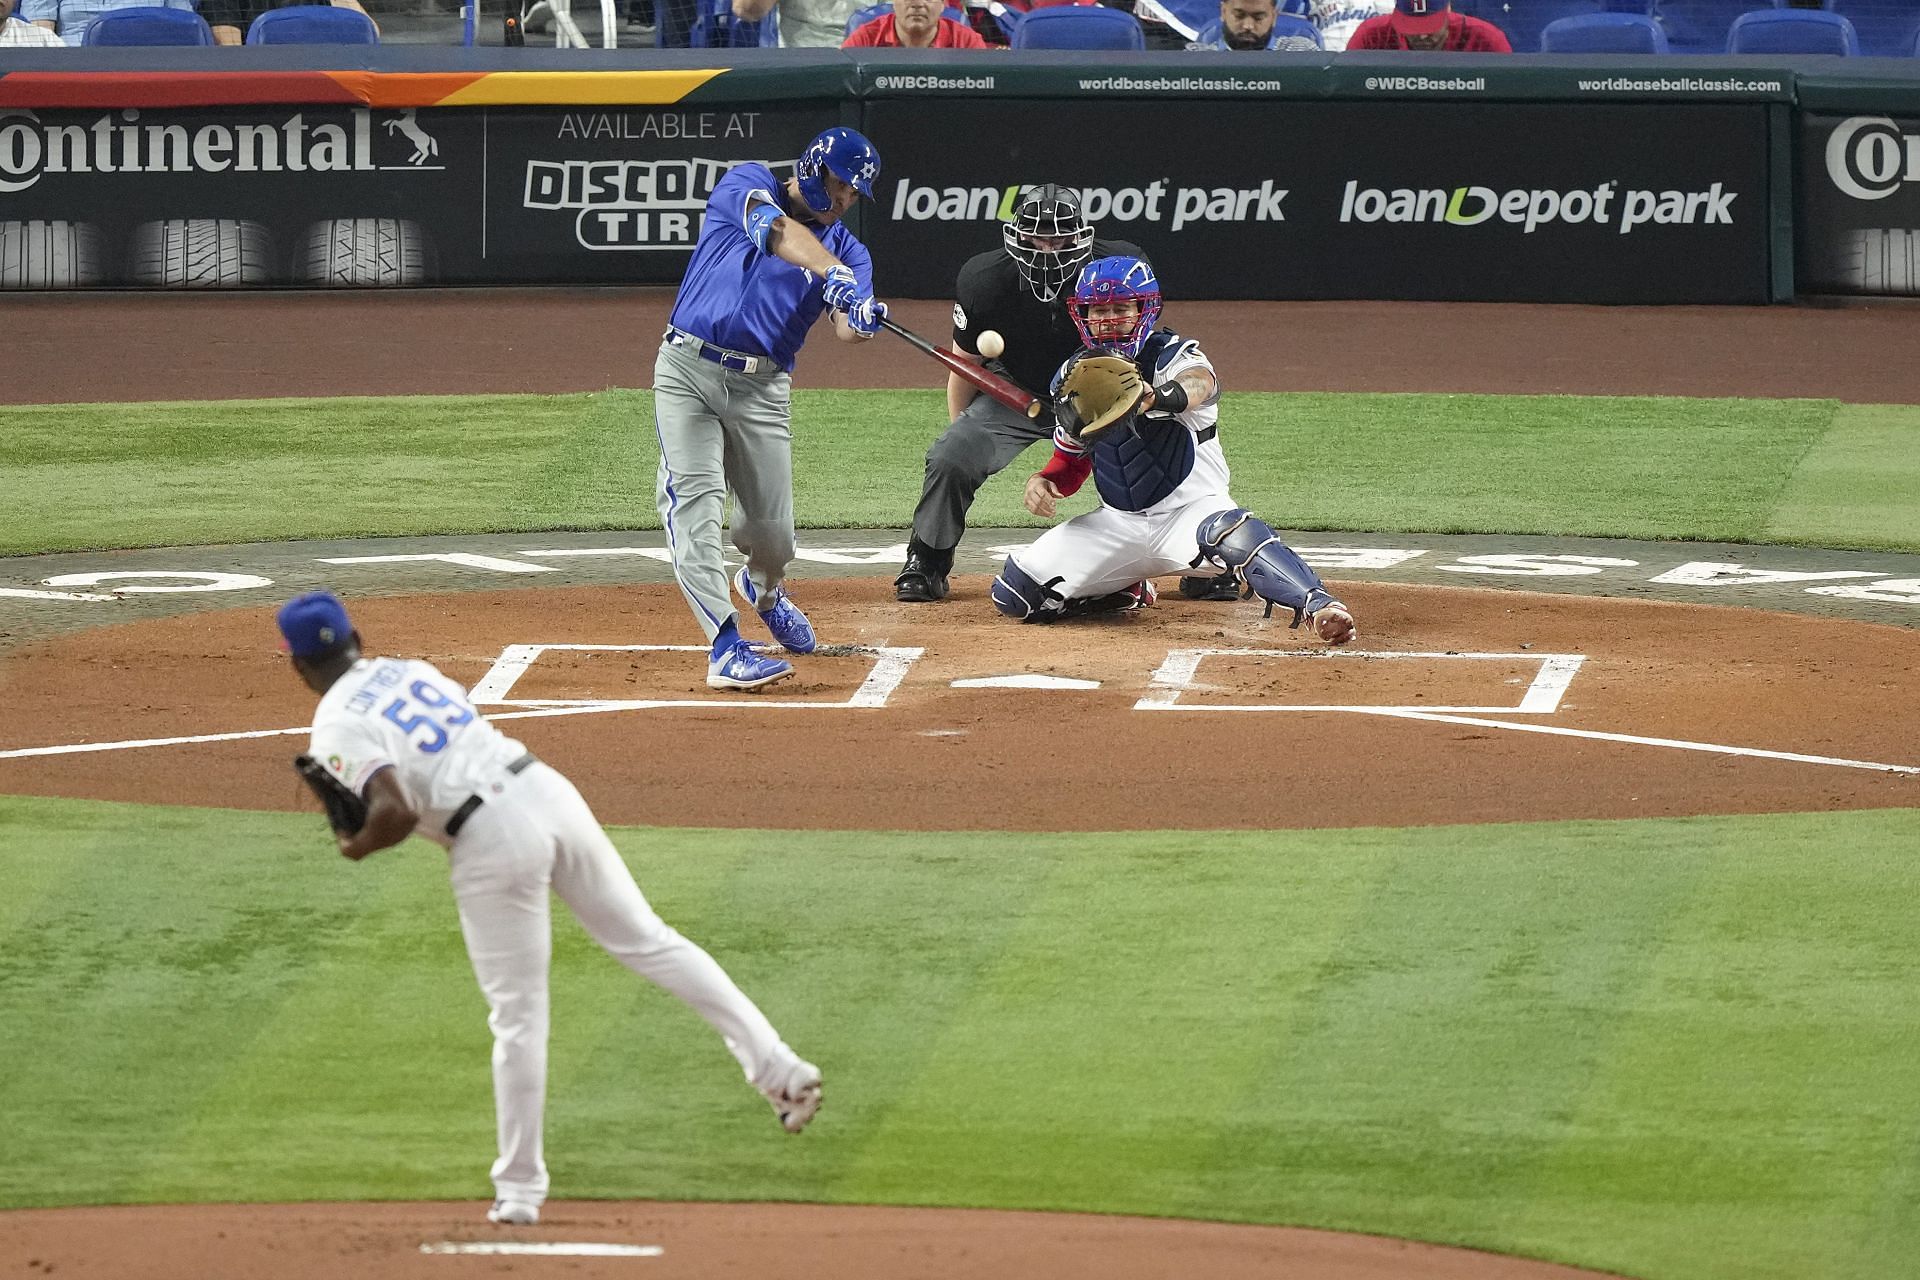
{"x": 865, "y": 315}
{"x": 841, "y": 290}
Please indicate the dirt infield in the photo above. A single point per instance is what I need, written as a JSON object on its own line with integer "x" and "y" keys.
{"x": 930, "y": 755}
{"x": 1461, "y": 706}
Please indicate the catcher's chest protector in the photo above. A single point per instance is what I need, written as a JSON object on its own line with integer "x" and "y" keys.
{"x": 1139, "y": 464}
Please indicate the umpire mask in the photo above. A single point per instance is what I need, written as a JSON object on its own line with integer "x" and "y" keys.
{"x": 1048, "y": 240}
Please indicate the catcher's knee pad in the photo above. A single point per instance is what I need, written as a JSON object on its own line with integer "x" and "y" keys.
{"x": 1018, "y": 594}
{"x": 1243, "y": 542}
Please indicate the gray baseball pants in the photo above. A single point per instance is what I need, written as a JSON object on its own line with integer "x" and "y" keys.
{"x": 722, "y": 430}
{"x": 979, "y": 443}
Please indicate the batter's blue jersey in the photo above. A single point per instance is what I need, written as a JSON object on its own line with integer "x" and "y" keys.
{"x": 737, "y": 297}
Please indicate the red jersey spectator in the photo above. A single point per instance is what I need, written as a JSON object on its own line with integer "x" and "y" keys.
{"x": 914, "y": 24}
{"x": 1429, "y": 25}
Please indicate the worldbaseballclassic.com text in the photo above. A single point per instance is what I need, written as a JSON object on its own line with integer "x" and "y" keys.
{"x": 1471, "y": 206}
{"x": 1150, "y": 203}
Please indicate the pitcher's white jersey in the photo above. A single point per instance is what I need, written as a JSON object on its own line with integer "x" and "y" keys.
{"x": 404, "y": 714}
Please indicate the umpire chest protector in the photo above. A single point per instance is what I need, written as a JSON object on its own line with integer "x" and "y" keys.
{"x": 1039, "y": 335}
{"x": 1139, "y": 463}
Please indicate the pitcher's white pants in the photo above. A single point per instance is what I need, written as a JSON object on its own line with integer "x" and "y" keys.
{"x": 540, "y": 834}
{"x": 1105, "y": 549}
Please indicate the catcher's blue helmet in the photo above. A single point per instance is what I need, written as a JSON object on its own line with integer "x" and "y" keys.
{"x": 1116, "y": 280}
{"x": 843, "y": 153}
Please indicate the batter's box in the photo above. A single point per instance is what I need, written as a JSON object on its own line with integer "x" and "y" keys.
{"x": 495, "y": 689}
{"x": 1179, "y": 674}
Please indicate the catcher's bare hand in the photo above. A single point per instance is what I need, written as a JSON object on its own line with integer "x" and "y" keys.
{"x": 1334, "y": 624}
{"x": 1043, "y": 496}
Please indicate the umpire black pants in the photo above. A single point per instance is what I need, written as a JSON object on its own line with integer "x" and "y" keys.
{"x": 979, "y": 443}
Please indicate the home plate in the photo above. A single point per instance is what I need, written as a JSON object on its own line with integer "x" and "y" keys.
{"x": 1025, "y": 681}
{"x": 556, "y": 1249}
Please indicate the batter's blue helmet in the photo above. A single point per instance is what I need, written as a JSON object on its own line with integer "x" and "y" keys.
{"x": 1116, "y": 280}
{"x": 843, "y": 153}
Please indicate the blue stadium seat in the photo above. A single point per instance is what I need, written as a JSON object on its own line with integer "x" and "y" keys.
{"x": 148, "y": 26}
{"x": 312, "y": 24}
{"x": 1604, "y": 33}
{"x": 1701, "y": 26}
{"x": 1886, "y": 28}
{"x": 1792, "y": 31}
{"x": 863, "y": 16}
{"x": 1284, "y": 25}
{"x": 1524, "y": 20}
{"x": 1079, "y": 27}
{"x": 715, "y": 27}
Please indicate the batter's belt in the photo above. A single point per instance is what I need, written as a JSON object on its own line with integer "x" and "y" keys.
{"x": 738, "y": 361}
{"x": 474, "y": 801}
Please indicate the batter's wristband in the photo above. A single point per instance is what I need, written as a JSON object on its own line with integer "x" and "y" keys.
{"x": 1170, "y": 397}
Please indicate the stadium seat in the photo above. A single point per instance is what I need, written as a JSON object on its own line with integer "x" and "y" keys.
{"x": 1285, "y": 25}
{"x": 1524, "y": 20}
{"x": 863, "y": 16}
{"x": 1792, "y": 31}
{"x": 148, "y": 26}
{"x": 312, "y": 24}
{"x": 1079, "y": 27}
{"x": 1604, "y": 33}
{"x": 1886, "y": 28}
{"x": 1701, "y": 26}
{"x": 715, "y": 27}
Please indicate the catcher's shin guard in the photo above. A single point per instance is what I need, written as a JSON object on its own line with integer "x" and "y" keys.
{"x": 1245, "y": 543}
{"x": 1018, "y": 594}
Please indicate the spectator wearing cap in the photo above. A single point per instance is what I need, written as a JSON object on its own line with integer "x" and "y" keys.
{"x": 1248, "y": 25}
{"x": 914, "y": 24}
{"x": 17, "y": 34}
{"x": 1429, "y": 26}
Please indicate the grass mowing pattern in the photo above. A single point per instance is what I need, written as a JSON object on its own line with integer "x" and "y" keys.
{"x": 74, "y": 477}
{"x": 1668, "y": 1048}
{"x": 1859, "y": 487}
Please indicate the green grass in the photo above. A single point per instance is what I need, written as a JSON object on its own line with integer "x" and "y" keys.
{"x": 1669, "y": 1048}
{"x": 75, "y": 477}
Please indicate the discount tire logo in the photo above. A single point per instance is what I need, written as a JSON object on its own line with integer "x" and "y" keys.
{"x": 1868, "y": 157}
{"x": 1607, "y": 205}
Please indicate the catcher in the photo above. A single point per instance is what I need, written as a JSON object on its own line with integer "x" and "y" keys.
{"x": 406, "y": 752}
{"x": 1137, "y": 409}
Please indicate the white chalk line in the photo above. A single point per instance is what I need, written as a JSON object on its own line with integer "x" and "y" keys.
{"x": 543, "y": 1249}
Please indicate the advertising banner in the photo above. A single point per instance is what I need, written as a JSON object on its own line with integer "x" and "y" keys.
{"x": 356, "y": 196}
{"x": 1858, "y": 221}
{"x": 1617, "y": 203}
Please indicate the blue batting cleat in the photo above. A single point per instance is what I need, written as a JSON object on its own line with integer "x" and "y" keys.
{"x": 741, "y": 668}
{"x": 783, "y": 617}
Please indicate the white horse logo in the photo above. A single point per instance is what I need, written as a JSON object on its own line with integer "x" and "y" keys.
{"x": 423, "y": 144}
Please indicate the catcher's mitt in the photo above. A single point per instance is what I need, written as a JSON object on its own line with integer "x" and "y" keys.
{"x": 1096, "y": 393}
{"x": 346, "y": 812}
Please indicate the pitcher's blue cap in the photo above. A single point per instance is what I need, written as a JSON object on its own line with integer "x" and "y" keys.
{"x": 314, "y": 624}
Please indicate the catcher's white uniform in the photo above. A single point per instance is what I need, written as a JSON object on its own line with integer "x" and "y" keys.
{"x": 525, "y": 829}
{"x": 1156, "y": 486}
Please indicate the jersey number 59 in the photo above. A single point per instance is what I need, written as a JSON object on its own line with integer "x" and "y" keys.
{"x": 456, "y": 714}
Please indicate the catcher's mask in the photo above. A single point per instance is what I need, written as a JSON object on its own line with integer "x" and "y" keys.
{"x": 843, "y": 153}
{"x": 1048, "y": 239}
{"x": 1110, "y": 284}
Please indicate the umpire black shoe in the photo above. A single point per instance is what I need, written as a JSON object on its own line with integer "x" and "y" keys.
{"x": 1204, "y": 586}
{"x": 923, "y": 579}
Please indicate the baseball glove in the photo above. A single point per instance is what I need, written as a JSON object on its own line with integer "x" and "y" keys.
{"x": 1096, "y": 393}
{"x": 346, "y": 812}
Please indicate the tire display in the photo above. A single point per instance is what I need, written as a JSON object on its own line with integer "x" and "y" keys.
{"x": 201, "y": 253}
{"x": 50, "y": 255}
{"x": 1879, "y": 260}
{"x": 362, "y": 252}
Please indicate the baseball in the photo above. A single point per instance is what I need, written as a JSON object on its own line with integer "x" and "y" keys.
{"x": 991, "y": 344}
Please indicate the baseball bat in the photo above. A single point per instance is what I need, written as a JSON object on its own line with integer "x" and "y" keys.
{"x": 1008, "y": 393}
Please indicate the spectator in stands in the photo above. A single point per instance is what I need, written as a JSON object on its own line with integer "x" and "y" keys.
{"x": 914, "y": 24}
{"x": 71, "y": 18}
{"x": 1248, "y": 24}
{"x": 17, "y": 34}
{"x": 231, "y": 18}
{"x": 1339, "y": 19}
{"x": 1429, "y": 25}
{"x": 804, "y": 24}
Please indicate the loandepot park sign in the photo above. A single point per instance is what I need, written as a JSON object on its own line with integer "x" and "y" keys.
{"x": 1606, "y": 205}
{"x": 1157, "y": 202}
